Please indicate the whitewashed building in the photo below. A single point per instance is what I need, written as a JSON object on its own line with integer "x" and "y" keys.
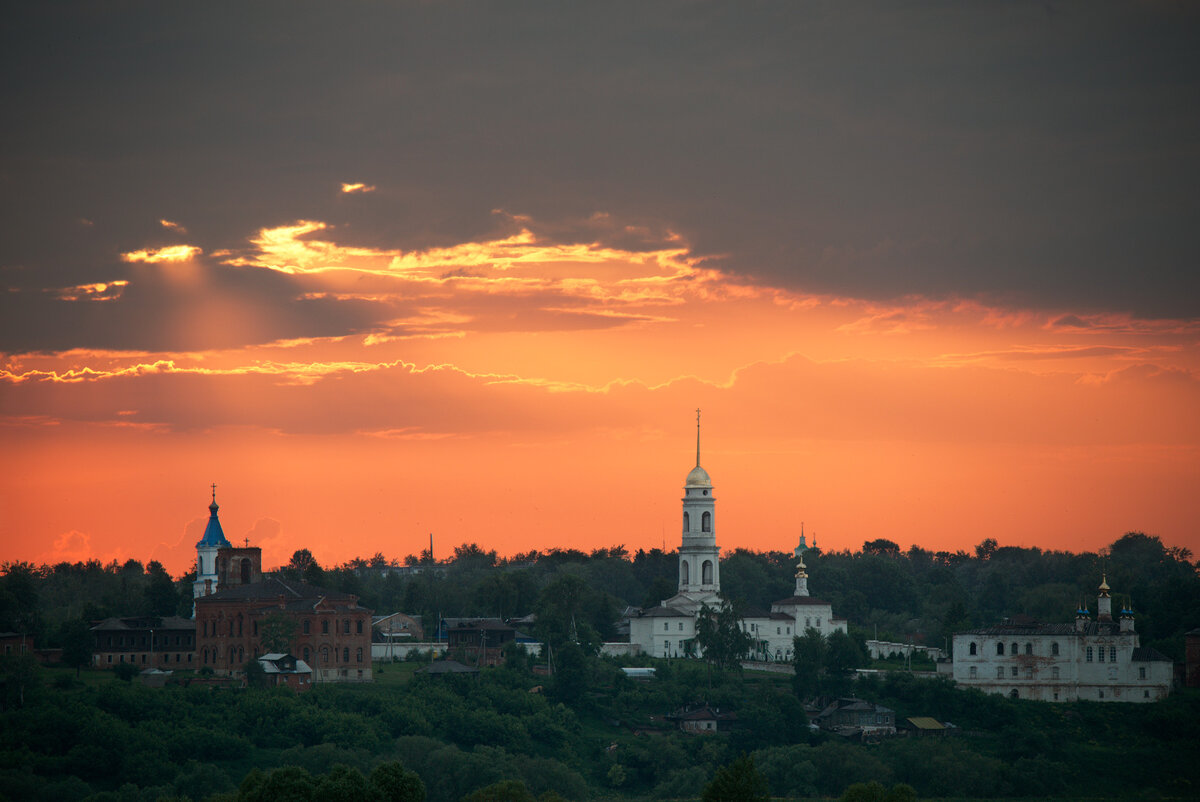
{"x": 669, "y": 629}
{"x": 1098, "y": 659}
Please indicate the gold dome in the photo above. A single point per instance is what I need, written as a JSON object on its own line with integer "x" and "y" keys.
{"x": 697, "y": 478}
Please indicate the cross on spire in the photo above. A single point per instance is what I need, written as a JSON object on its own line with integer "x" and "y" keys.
{"x": 214, "y": 492}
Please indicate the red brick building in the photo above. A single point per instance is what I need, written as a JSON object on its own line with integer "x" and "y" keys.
{"x": 329, "y": 631}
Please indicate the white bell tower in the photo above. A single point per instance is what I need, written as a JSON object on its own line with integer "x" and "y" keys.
{"x": 699, "y": 557}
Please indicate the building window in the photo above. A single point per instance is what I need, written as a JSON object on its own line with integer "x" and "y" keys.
{"x": 358, "y": 655}
{"x": 973, "y": 672}
{"x": 254, "y": 627}
{"x": 1000, "y": 648}
{"x": 346, "y": 626}
{"x": 358, "y": 627}
{"x": 666, "y": 648}
{"x": 307, "y": 626}
{"x": 1054, "y": 672}
{"x": 707, "y": 571}
{"x": 1054, "y": 648}
{"x": 706, "y": 522}
{"x": 1014, "y": 651}
{"x": 1028, "y": 648}
{"x": 1101, "y": 655}
{"x": 1028, "y": 672}
{"x": 778, "y": 630}
{"x": 1101, "y": 695}
{"x": 1014, "y": 671}
{"x": 1145, "y": 694}
{"x": 666, "y": 626}
{"x": 325, "y": 627}
{"x": 1141, "y": 672}
{"x": 683, "y": 573}
{"x": 1089, "y": 654}
{"x": 687, "y": 522}
{"x": 1013, "y": 694}
{"x": 324, "y": 655}
{"x": 973, "y": 650}
{"x": 1000, "y": 672}
{"x": 681, "y": 626}
{"x": 1112, "y": 654}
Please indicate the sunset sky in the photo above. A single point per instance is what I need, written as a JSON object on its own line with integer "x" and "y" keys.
{"x": 381, "y": 270}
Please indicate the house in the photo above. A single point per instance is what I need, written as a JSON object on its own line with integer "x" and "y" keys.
{"x": 397, "y": 627}
{"x": 1098, "y": 659}
{"x": 162, "y": 642}
{"x": 850, "y": 716}
{"x": 479, "y": 641}
{"x": 703, "y": 720}
{"x": 286, "y": 670}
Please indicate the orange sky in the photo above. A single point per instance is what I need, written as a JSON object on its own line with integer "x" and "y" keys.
{"x": 527, "y": 391}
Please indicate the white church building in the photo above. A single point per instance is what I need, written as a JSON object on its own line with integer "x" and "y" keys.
{"x": 669, "y": 629}
{"x": 1099, "y": 660}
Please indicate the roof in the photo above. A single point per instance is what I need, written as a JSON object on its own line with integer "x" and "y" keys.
{"x": 852, "y": 703}
{"x": 925, "y": 723}
{"x": 292, "y": 592}
{"x": 799, "y": 601}
{"x": 702, "y": 713}
{"x": 279, "y": 663}
{"x": 1147, "y": 654}
{"x": 1018, "y": 629}
{"x": 213, "y": 534}
{"x": 144, "y": 622}
{"x": 478, "y": 624}
{"x": 664, "y": 612}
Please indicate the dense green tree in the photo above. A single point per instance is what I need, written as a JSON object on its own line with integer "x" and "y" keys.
{"x": 739, "y": 781}
{"x": 810, "y": 652}
{"x": 277, "y": 632}
{"x": 720, "y": 636}
{"x": 394, "y": 783}
{"x": 77, "y": 644}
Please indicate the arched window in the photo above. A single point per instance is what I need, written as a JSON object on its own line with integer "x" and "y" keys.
{"x": 245, "y": 571}
{"x": 1013, "y": 694}
{"x": 707, "y": 571}
{"x": 973, "y": 650}
{"x": 346, "y": 626}
{"x": 1015, "y": 650}
{"x": 1028, "y": 648}
{"x": 1000, "y": 648}
{"x": 324, "y": 655}
{"x": 200, "y": 565}
{"x": 683, "y": 572}
{"x": 1054, "y": 648}
{"x": 687, "y": 522}
{"x": 307, "y": 626}
{"x": 706, "y": 522}
{"x": 346, "y": 654}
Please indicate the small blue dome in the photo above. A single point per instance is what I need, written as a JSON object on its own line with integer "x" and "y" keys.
{"x": 213, "y": 534}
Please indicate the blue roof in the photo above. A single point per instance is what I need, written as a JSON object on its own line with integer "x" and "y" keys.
{"x": 213, "y": 535}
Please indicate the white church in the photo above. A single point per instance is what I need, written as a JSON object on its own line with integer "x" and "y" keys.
{"x": 669, "y": 629}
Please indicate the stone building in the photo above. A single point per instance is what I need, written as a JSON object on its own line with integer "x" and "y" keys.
{"x": 669, "y": 628}
{"x": 166, "y": 642}
{"x": 1099, "y": 659}
{"x": 240, "y": 616}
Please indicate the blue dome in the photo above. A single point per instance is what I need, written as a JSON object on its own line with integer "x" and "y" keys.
{"x": 213, "y": 534}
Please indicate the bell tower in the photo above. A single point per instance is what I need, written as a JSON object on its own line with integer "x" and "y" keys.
{"x": 699, "y": 557}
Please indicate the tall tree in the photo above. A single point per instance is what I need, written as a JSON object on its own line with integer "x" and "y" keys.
{"x": 739, "y": 781}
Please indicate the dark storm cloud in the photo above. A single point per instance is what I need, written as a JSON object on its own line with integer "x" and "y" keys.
{"x": 1032, "y": 154}
{"x": 160, "y": 309}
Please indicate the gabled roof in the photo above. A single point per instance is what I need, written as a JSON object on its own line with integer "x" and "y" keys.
{"x": 292, "y": 592}
{"x": 664, "y": 612}
{"x": 144, "y": 623}
{"x": 800, "y": 601}
{"x": 925, "y": 723}
{"x": 1147, "y": 654}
